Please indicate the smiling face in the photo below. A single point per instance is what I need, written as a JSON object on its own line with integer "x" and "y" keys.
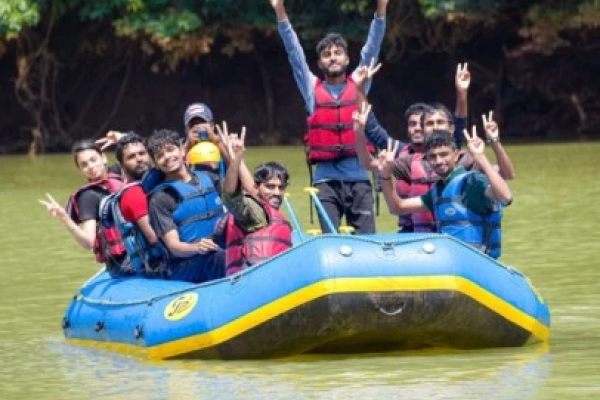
{"x": 136, "y": 160}
{"x": 169, "y": 158}
{"x": 414, "y": 129}
{"x": 272, "y": 191}
{"x": 437, "y": 121}
{"x": 443, "y": 159}
{"x": 91, "y": 164}
{"x": 333, "y": 61}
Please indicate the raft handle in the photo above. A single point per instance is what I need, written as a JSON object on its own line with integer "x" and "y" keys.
{"x": 390, "y": 313}
{"x": 235, "y": 278}
{"x": 99, "y": 326}
{"x": 137, "y": 332}
{"x": 65, "y": 323}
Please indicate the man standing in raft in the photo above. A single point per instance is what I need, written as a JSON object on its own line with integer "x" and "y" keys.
{"x": 344, "y": 186}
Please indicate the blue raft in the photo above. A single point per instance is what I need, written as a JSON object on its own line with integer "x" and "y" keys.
{"x": 328, "y": 294}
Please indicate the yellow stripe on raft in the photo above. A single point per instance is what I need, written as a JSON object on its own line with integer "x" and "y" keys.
{"x": 324, "y": 288}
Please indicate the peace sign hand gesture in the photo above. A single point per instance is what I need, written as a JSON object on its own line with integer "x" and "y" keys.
{"x": 463, "y": 77}
{"x": 111, "y": 138}
{"x": 364, "y": 73}
{"x": 491, "y": 127}
{"x": 54, "y": 209}
{"x": 386, "y": 158}
{"x": 474, "y": 143}
{"x": 360, "y": 117}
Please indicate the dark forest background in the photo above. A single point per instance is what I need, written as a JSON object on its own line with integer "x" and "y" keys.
{"x": 77, "y": 68}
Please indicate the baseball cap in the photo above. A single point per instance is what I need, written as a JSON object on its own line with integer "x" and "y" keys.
{"x": 197, "y": 110}
{"x": 203, "y": 152}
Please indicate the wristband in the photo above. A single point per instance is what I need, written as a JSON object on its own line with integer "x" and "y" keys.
{"x": 493, "y": 140}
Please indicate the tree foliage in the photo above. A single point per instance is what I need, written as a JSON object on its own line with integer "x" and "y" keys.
{"x": 166, "y": 33}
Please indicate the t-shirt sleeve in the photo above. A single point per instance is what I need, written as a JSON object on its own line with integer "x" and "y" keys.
{"x": 161, "y": 207}
{"x": 89, "y": 204}
{"x": 427, "y": 199}
{"x": 134, "y": 204}
{"x": 474, "y": 195}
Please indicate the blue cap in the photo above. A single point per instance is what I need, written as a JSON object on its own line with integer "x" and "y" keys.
{"x": 199, "y": 110}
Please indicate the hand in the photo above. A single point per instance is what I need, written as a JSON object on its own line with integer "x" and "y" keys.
{"x": 360, "y": 117}
{"x": 276, "y": 3}
{"x": 364, "y": 73}
{"x": 474, "y": 143}
{"x": 234, "y": 145}
{"x": 54, "y": 209}
{"x": 386, "y": 158}
{"x": 205, "y": 245}
{"x": 111, "y": 138}
{"x": 490, "y": 127}
{"x": 463, "y": 77}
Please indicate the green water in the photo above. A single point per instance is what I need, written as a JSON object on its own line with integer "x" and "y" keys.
{"x": 551, "y": 234}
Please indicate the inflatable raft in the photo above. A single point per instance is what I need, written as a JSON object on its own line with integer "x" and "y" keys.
{"x": 328, "y": 294}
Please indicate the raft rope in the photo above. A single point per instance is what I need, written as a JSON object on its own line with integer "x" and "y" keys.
{"x": 401, "y": 240}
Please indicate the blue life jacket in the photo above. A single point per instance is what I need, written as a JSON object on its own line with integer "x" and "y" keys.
{"x": 454, "y": 218}
{"x": 199, "y": 207}
{"x": 142, "y": 257}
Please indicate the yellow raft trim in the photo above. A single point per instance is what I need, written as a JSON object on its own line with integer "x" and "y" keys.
{"x": 324, "y": 288}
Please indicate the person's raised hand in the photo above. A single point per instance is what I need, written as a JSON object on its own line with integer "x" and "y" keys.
{"x": 364, "y": 73}
{"x": 490, "y": 127}
{"x": 111, "y": 138}
{"x": 54, "y": 209}
{"x": 360, "y": 116}
{"x": 276, "y": 3}
{"x": 463, "y": 77}
{"x": 475, "y": 145}
{"x": 386, "y": 158}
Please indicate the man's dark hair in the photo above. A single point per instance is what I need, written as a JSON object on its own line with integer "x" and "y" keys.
{"x": 439, "y": 138}
{"x": 161, "y": 138}
{"x": 269, "y": 170}
{"x": 83, "y": 145}
{"x": 332, "y": 39}
{"x": 416, "y": 109}
{"x": 435, "y": 107}
{"x": 127, "y": 139}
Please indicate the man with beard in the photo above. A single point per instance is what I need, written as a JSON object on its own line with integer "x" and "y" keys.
{"x": 184, "y": 207}
{"x": 344, "y": 186}
{"x": 466, "y": 205}
{"x": 254, "y": 229}
{"x": 128, "y": 209}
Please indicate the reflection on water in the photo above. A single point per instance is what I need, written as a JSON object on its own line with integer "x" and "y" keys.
{"x": 551, "y": 234}
{"x": 500, "y": 374}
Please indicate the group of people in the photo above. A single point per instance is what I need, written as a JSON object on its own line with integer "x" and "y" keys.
{"x": 189, "y": 209}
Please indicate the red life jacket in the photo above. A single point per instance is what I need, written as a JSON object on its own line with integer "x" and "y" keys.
{"x": 403, "y": 189}
{"x": 330, "y": 133}
{"x": 108, "y": 243}
{"x": 244, "y": 249}
{"x": 422, "y": 179}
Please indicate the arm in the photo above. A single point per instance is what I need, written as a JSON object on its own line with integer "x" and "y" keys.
{"x": 84, "y": 234}
{"x": 305, "y": 79}
{"x": 498, "y": 189}
{"x": 370, "y": 51}
{"x": 462, "y": 82}
{"x": 396, "y": 205}
{"x": 360, "y": 118}
{"x": 144, "y": 224}
{"x": 374, "y": 132}
{"x": 186, "y": 250}
{"x": 492, "y": 134}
